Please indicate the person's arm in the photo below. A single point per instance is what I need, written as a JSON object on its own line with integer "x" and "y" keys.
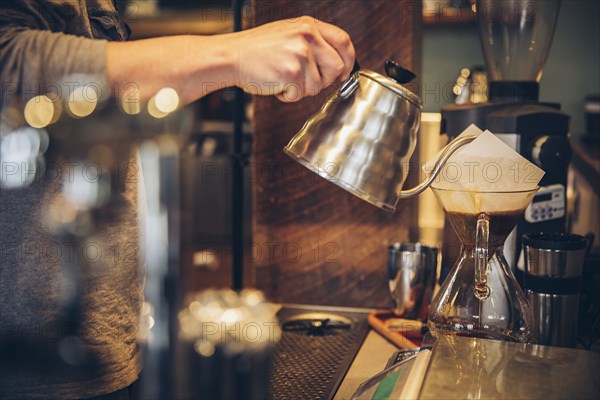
{"x": 37, "y": 58}
{"x": 290, "y": 59}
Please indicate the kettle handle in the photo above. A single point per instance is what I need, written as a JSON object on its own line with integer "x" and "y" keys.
{"x": 437, "y": 168}
{"x": 351, "y": 83}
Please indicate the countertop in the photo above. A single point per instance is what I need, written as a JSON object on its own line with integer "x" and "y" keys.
{"x": 462, "y": 367}
{"x": 370, "y": 360}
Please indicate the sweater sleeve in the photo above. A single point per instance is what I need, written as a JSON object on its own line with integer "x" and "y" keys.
{"x": 36, "y": 56}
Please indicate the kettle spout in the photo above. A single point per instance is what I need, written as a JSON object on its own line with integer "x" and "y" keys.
{"x": 439, "y": 164}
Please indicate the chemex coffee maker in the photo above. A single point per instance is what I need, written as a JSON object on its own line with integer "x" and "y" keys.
{"x": 516, "y": 38}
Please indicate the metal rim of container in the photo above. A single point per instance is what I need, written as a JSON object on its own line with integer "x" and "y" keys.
{"x": 555, "y": 241}
{"x": 411, "y": 247}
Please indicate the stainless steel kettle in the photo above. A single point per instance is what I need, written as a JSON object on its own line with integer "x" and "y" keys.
{"x": 364, "y": 135}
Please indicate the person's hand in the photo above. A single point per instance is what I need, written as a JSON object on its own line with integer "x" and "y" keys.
{"x": 291, "y": 59}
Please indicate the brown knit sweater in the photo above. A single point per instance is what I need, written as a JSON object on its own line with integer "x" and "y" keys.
{"x": 41, "y": 42}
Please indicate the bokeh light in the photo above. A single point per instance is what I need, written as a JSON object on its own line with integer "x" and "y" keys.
{"x": 19, "y": 150}
{"x": 39, "y": 111}
{"x": 82, "y": 101}
{"x": 167, "y": 100}
{"x": 130, "y": 103}
{"x": 153, "y": 109}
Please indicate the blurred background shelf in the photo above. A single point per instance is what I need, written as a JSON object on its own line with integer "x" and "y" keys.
{"x": 449, "y": 12}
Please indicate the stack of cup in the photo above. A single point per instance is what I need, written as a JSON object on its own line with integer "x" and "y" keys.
{"x": 227, "y": 340}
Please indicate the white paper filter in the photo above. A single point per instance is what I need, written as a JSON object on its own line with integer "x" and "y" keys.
{"x": 485, "y": 165}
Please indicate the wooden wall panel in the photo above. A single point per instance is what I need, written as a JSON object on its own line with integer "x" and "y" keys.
{"x": 313, "y": 242}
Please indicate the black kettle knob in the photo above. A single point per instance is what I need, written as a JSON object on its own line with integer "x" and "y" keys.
{"x": 398, "y": 73}
{"x": 551, "y": 153}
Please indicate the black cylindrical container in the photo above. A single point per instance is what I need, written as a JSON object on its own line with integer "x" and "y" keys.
{"x": 554, "y": 265}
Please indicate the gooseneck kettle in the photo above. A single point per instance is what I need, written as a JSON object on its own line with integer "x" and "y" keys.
{"x": 364, "y": 135}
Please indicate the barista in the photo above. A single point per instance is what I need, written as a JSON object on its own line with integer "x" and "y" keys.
{"x": 41, "y": 42}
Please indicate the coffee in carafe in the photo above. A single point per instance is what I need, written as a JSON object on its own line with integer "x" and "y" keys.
{"x": 501, "y": 224}
{"x": 480, "y": 297}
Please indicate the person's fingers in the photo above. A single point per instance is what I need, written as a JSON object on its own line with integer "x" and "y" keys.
{"x": 324, "y": 63}
{"x": 341, "y": 42}
{"x": 308, "y": 83}
{"x": 330, "y": 64}
{"x": 296, "y": 60}
{"x": 313, "y": 79}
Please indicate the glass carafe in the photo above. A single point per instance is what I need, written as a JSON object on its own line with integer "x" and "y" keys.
{"x": 481, "y": 297}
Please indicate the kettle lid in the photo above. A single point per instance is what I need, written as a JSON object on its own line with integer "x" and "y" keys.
{"x": 396, "y": 76}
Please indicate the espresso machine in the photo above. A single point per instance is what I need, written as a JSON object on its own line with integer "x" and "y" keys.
{"x": 516, "y": 37}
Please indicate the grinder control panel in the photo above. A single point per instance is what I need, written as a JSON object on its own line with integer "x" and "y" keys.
{"x": 548, "y": 204}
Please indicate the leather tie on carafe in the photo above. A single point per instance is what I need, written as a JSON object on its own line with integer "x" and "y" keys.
{"x": 482, "y": 242}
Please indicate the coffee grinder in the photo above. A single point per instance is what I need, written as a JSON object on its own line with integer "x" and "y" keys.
{"x": 516, "y": 37}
